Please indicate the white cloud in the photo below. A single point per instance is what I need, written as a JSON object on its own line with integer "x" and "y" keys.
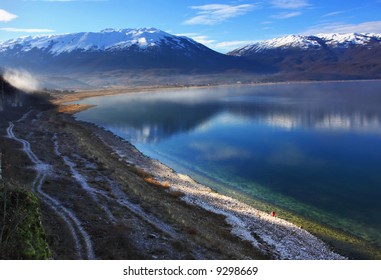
{"x": 212, "y": 14}
{"x": 333, "y": 14}
{"x": 286, "y": 15}
{"x": 205, "y": 40}
{"x": 290, "y": 4}
{"x": 296, "y": 5}
{"x": 26, "y": 30}
{"x": 213, "y": 44}
{"x": 338, "y": 27}
{"x": 190, "y": 35}
{"x": 233, "y": 44}
{"x": 6, "y": 16}
{"x": 202, "y": 39}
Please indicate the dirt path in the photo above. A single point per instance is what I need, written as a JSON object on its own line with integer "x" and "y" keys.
{"x": 96, "y": 205}
{"x": 83, "y": 246}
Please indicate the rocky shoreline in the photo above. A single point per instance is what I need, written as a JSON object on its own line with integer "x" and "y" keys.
{"x": 101, "y": 195}
{"x": 270, "y": 235}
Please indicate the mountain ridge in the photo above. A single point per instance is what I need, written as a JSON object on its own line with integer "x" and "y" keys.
{"x": 306, "y": 42}
{"x": 105, "y": 40}
{"x": 332, "y": 56}
{"x": 117, "y": 49}
{"x": 151, "y": 56}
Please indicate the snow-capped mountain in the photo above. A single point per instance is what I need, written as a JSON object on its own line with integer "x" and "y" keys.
{"x": 105, "y": 40}
{"x": 147, "y": 52}
{"x": 318, "y": 42}
{"x": 324, "y": 56}
{"x": 110, "y": 49}
{"x": 346, "y": 40}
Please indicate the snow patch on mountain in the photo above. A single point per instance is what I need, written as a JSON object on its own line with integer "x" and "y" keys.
{"x": 348, "y": 39}
{"x": 317, "y": 42}
{"x": 106, "y": 40}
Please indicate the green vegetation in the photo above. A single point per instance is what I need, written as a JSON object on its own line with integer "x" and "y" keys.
{"x": 21, "y": 232}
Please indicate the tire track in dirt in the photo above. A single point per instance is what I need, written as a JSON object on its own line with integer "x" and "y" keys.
{"x": 122, "y": 199}
{"x": 43, "y": 170}
{"x": 81, "y": 180}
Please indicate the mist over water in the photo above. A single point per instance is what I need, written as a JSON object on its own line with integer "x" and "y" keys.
{"x": 311, "y": 149}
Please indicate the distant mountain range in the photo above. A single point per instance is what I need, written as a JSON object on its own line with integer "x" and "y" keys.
{"x": 110, "y": 49}
{"x": 324, "y": 56}
{"x": 157, "y": 53}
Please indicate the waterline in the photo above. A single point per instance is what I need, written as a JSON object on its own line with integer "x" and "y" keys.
{"x": 309, "y": 150}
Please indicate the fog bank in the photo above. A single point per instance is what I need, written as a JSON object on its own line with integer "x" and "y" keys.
{"x": 21, "y": 79}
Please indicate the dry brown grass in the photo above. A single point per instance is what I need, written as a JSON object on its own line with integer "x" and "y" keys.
{"x": 152, "y": 181}
{"x": 72, "y": 108}
{"x": 140, "y": 172}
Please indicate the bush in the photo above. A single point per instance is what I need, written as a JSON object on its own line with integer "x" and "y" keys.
{"x": 21, "y": 232}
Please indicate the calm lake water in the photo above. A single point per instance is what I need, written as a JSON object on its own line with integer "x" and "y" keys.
{"x": 311, "y": 149}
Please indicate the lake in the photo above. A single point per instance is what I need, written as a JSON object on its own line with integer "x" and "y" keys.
{"x": 310, "y": 149}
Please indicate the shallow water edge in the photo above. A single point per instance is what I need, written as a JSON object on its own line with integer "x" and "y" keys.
{"x": 345, "y": 243}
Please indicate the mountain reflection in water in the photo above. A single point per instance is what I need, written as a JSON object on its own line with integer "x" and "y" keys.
{"x": 310, "y": 148}
{"x": 355, "y": 107}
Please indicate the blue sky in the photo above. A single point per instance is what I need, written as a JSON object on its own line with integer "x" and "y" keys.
{"x": 222, "y": 25}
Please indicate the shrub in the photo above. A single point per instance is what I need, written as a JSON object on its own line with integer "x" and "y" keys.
{"x": 21, "y": 232}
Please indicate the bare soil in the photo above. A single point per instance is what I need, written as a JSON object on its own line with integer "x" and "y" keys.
{"x": 125, "y": 215}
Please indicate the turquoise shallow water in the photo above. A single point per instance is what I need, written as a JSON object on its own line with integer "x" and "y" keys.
{"x": 312, "y": 149}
